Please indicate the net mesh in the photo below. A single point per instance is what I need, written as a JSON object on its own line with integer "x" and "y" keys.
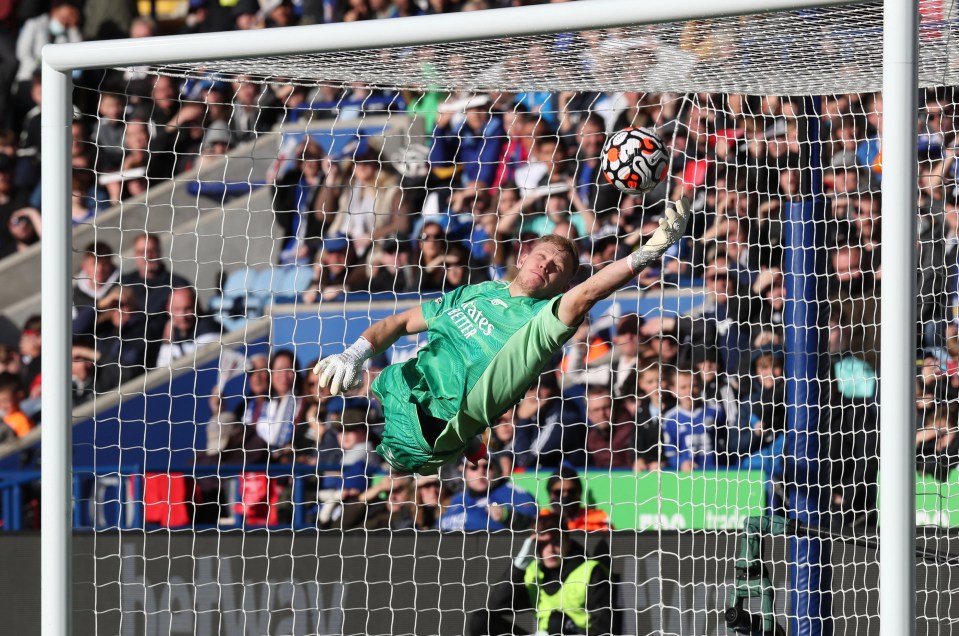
{"x": 291, "y": 202}
{"x": 827, "y": 50}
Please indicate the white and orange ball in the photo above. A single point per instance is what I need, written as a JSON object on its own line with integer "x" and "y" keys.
{"x": 634, "y": 160}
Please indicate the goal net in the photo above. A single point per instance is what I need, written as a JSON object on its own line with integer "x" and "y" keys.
{"x": 236, "y": 220}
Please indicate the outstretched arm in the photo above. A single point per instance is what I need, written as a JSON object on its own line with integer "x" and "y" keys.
{"x": 577, "y": 302}
{"x": 345, "y": 370}
{"x": 382, "y": 334}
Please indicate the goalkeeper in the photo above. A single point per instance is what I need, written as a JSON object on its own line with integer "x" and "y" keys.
{"x": 487, "y": 343}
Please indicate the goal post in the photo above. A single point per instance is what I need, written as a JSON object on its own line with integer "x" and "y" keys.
{"x": 898, "y": 512}
{"x": 57, "y": 273}
{"x": 173, "y": 54}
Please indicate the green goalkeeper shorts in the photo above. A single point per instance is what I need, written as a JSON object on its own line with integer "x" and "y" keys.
{"x": 403, "y": 446}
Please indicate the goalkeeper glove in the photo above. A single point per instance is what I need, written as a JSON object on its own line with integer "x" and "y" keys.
{"x": 670, "y": 230}
{"x": 344, "y": 371}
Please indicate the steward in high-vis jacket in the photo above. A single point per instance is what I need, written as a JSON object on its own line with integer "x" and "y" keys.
{"x": 570, "y": 592}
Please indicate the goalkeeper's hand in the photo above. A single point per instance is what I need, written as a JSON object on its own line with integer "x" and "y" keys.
{"x": 344, "y": 371}
{"x": 671, "y": 228}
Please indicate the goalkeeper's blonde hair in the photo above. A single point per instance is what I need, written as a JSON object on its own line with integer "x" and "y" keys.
{"x": 564, "y": 245}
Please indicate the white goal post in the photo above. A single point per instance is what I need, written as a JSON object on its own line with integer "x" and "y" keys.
{"x": 900, "y": 79}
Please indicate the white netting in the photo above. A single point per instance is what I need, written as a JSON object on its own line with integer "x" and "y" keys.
{"x": 299, "y": 199}
{"x": 828, "y": 50}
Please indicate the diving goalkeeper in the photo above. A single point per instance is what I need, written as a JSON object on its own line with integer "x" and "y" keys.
{"x": 487, "y": 343}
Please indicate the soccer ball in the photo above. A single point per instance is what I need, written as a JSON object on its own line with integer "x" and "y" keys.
{"x": 634, "y": 160}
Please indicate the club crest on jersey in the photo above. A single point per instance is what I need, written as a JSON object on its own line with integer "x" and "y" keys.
{"x": 469, "y": 319}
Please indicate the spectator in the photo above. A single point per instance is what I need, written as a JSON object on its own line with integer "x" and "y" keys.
{"x": 11, "y": 393}
{"x": 626, "y": 354}
{"x": 30, "y": 350}
{"x": 770, "y": 287}
{"x": 586, "y": 359}
{"x": 720, "y": 391}
{"x": 334, "y": 272}
{"x": 217, "y": 140}
{"x": 763, "y": 424}
{"x": 136, "y": 79}
{"x": 501, "y": 443}
{"x": 359, "y": 200}
{"x": 542, "y": 168}
{"x": 161, "y": 111}
{"x": 185, "y": 331}
{"x": 487, "y": 502}
{"x": 609, "y": 444}
{"x": 937, "y": 442}
{"x": 472, "y": 148}
{"x": 108, "y": 132}
{"x": 280, "y": 13}
{"x": 23, "y": 230}
{"x": 725, "y": 313}
{"x": 10, "y": 360}
{"x": 247, "y": 15}
{"x": 196, "y": 18}
{"x": 430, "y": 249}
{"x": 98, "y": 277}
{"x": 285, "y": 409}
{"x": 254, "y": 109}
{"x": 427, "y": 503}
{"x": 83, "y": 370}
{"x": 851, "y": 418}
{"x": 344, "y": 490}
{"x": 109, "y": 19}
{"x": 232, "y": 437}
{"x": 389, "y": 505}
{"x": 151, "y": 283}
{"x": 590, "y": 138}
{"x": 56, "y": 26}
{"x": 567, "y": 500}
{"x": 689, "y": 428}
{"x": 638, "y": 410}
{"x": 125, "y": 352}
{"x": 206, "y": 106}
{"x": 547, "y": 433}
{"x": 570, "y": 592}
{"x": 10, "y": 200}
{"x": 390, "y": 268}
{"x": 296, "y": 196}
{"x": 87, "y": 197}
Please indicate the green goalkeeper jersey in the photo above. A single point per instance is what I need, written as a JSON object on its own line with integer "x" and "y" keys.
{"x": 485, "y": 348}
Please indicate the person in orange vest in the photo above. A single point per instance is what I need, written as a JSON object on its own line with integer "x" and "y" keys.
{"x": 566, "y": 499}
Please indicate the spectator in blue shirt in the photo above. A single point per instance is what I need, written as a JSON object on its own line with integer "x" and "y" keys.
{"x": 355, "y": 456}
{"x": 487, "y": 502}
{"x": 473, "y": 147}
{"x": 547, "y": 433}
{"x": 689, "y": 427}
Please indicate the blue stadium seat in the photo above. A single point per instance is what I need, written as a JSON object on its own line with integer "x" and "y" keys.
{"x": 246, "y": 292}
{"x": 289, "y": 281}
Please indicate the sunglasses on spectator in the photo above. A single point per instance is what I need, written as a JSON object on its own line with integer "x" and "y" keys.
{"x": 559, "y": 492}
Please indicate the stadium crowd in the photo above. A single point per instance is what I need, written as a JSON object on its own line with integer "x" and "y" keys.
{"x": 685, "y": 392}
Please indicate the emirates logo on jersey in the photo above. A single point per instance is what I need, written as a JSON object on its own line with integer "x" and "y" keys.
{"x": 469, "y": 319}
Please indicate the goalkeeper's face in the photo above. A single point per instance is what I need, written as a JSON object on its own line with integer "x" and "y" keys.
{"x": 544, "y": 272}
